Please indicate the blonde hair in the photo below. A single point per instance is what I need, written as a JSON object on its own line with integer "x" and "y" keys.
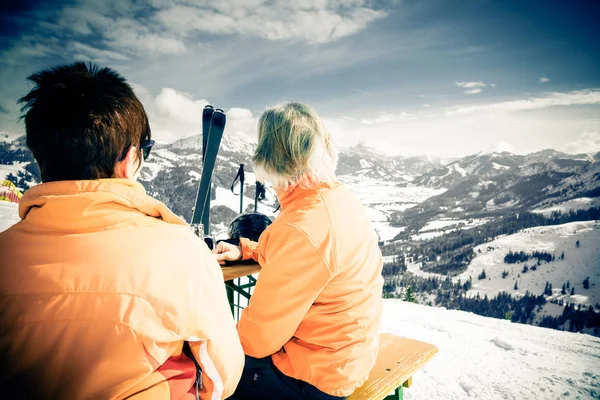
{"x": 294, "y": 148}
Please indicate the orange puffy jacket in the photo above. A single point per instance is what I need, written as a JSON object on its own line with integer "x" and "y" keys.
{"x": 100, "y": 285}
{"x": 317, "y": 304}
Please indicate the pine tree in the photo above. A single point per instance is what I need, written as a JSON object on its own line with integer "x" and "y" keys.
{"x": 586, "y": 283}
{"x": 572, "y": 291}
{"x": 409, "y": 295}
{"x": 564, "y": 289}
{"x": 516, "y": 286}
{"x": 482, "y": 275}
{"x": 568, "y": 284}
{"x": 577, "y": 244}
{"x": 562, "y": 255}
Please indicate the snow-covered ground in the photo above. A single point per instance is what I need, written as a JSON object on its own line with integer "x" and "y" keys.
{"x": 435, "y": 228}
{"x": 441, "y": 223}
{"x": 381, "y": 198}
{"x": 579, "y": 263}
{"x": 581, "y": 203}
{"x": 488, "y": 359}
{"x": 9, "y": 214}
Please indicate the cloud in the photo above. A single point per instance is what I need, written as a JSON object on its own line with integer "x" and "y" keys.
{"x": 239, "y": 113}
{"x": 501, "y": 146}
{"x": 314, "y": 22}
{"x": 88, "y": 53}
{"x": 554, "y": 99}
{"x": 544, "y": 79}
{"x": 385, "y": 117}
{"x": 587, "y": 142}
{"x": 473, "y": 84}
{"x": 176, "y": 115}
{"x": 473, "y": 87}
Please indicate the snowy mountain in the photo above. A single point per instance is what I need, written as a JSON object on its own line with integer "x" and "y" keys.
{"x": 173, "y": 174}
{"x": 490, "y": 165}
{"x": 497, "y": 184}
{"x": 363, "y": 161}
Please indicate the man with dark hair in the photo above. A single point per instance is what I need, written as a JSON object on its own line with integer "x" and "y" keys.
{"x": 104, "y": 292}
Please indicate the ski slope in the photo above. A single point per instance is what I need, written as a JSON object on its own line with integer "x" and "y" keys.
{"x": 488, "y": 359}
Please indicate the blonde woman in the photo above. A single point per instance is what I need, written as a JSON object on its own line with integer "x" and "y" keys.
{"x": 312, "y": 326}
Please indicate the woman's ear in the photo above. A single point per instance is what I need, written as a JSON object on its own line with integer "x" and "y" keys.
{"x": 128, "y": 166}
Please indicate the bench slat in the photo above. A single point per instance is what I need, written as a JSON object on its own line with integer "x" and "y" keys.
{"x": 398, "y": 359}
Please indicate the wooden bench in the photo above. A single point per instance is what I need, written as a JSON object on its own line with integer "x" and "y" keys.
{"x": 399, "y": 358}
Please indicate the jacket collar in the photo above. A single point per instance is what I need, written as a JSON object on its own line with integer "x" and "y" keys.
{"x": 90, "y": 204}
{"x": 297, "y": 191}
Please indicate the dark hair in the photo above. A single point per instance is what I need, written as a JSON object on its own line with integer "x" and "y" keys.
{"x": 80, "y": 119}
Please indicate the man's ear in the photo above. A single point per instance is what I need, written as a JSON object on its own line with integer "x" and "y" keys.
{"x": 128, "y": 167}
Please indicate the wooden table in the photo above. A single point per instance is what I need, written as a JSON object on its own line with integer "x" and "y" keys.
{"x": 236, "y": 290}
{"x": 231, "y": 272}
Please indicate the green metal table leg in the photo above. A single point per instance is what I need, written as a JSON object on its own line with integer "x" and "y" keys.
{"x": 398, "y": 394}
{"x": 230, "y": 298}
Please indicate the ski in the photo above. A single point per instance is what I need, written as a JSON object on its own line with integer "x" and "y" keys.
{"x": 206, "y": 117}
{"x": 212, "y": 138}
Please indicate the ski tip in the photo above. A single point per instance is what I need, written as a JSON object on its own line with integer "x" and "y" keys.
{"x": 208, "y": 106}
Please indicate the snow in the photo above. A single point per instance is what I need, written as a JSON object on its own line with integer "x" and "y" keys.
{"x": 381, "y": 198}
{"x": 459, "y": 169}
{"x": 435, "y": 228}
{"x": 442, "y": 223}
{"x": 578, "y": 264}
{"x": 581, "y": 203}
{"x": 9, "y": 214}
{"x": 429, "y": 235}
{"x": 14, "y": 169}
{"x": 488, "y": 359}
{"x": 500, "y": 166}
{"x": 365, "y": 164}
{"x": 387, "y": 232}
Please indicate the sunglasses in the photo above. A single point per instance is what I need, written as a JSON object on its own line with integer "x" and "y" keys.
{"x": 145, "y": 146}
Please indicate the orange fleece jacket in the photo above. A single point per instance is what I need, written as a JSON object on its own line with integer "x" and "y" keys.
{"x": 100, "y": 285}
{"x": 316, "y": 308}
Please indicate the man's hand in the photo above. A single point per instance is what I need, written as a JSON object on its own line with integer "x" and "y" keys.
{"x": 227, "y": 252}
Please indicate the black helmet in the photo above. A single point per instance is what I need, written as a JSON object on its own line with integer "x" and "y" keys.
{"x": 249, "y": 225}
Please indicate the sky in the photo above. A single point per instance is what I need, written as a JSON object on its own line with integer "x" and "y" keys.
{"x": 408, "y": 77}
